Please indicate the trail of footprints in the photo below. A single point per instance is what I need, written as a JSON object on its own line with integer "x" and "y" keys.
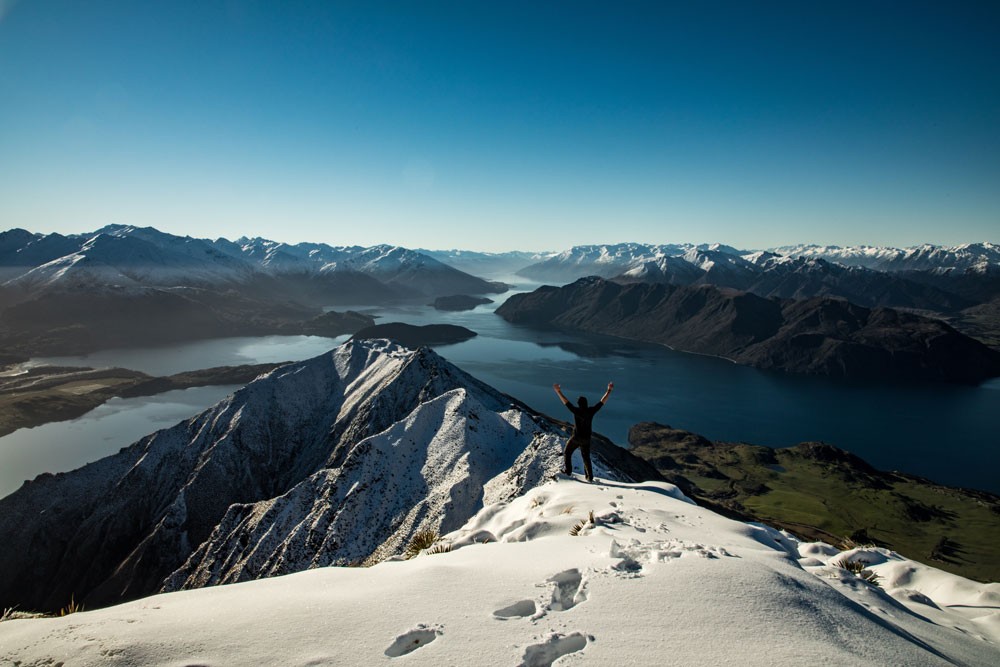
{"x": 568, "y": 590}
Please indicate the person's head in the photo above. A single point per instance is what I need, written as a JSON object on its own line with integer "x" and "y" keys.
{"x": 582, "y": 402}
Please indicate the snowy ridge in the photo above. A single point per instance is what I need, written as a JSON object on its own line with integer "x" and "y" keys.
{"x": 433, "y": 469}
{"x": 635, "y": 259}
{"x": 332, "y": 460}
{"x": 926, "y": 257}
{"x": 800, "y": 275}
{"x": 651, "y": 579}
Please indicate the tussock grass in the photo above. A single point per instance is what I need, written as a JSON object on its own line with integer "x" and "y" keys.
{"x": 422, "y": 539}
{"x": 859, "y": 569}
{"x": 71, "y": 608}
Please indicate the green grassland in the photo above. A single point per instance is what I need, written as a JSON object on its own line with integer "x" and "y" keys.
{"x": 820, "y": 492}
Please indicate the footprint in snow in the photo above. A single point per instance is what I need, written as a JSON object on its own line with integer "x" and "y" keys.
{"x": 410, "y": 641}
{"x": 553, "y": 648}
{"x": 570, "y": 590}
{"x": 519, "y": 609}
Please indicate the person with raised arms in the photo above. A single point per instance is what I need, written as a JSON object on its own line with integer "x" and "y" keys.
{"x": 583, "y": 416}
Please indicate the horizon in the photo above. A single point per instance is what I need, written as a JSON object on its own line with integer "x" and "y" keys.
{"x": 514, "y": 128}
{"x": 523, "y": 250}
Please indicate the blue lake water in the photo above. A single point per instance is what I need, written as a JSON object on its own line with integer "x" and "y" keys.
{"x": 945, "y": 432}
{"x": 66, "y": 445}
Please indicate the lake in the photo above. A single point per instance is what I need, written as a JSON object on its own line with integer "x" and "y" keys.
{"x": 945, "y": 432}
{"x": 66, "y": 445}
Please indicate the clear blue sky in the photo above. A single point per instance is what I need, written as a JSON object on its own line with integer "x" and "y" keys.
{"x": 506, "y": 125}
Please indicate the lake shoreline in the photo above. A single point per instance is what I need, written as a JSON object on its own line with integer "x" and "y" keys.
{"x": 46, "y": 394}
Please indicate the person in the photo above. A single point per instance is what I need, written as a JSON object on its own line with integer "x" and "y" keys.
{"x": 583, "y": 417}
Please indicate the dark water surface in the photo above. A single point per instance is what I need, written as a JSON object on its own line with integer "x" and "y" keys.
{"x": 948, "y": 433}
{"x": 945, "y": 432}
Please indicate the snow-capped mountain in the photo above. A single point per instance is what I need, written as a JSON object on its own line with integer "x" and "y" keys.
{"x": 567, "y": 573}
{"x": 607, "y": 260}
{"x": 121, "y": 258}
{"x": 927, "y": 257}
{"x": 800, "y": 272}
{"x": 122, "y": 255}
{"x": 336, "y": 460}
{"x": 667, "y": 269}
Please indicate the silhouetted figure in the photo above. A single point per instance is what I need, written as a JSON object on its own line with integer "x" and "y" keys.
{"x": 583, "y": 416}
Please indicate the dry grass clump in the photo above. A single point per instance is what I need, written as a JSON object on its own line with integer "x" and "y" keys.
{"x": 859, "y": 569}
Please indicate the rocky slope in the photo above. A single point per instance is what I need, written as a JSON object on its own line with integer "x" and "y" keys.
{"x": 815, "y": 336}
{"x": 336, "y": 460}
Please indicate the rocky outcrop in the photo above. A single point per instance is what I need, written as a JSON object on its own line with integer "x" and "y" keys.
{"x": 817, "y": 336}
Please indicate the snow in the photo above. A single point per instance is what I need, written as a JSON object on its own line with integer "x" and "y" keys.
{"x": 127, "y": 255}
{"x": 924, "y": 257}
{"x": 655, "y": 579}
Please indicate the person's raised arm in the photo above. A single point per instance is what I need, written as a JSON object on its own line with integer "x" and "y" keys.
{"x": 604, "y": 399}
{"x": 559, "y": 393}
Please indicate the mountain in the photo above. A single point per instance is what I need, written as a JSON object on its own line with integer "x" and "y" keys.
{"x": 821, "y": 492}
{"x": 804, "y": 278}
{"x": 797, "y": 275}
{"x": 568, "y": 573}
{"x": 340, "y": 459}
{"x": 607, "y": 261}
{"x": 131, "y": 260}
{"x": 926, "y": 257}
{"x": 123, "y": 285}
{"x": 815, "y": 336}
{"x": 123, "y": 255}
{"x": 21, "y": 250}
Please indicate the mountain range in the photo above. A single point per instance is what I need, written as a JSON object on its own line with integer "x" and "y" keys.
{"x": 122, "y": 285}
{"x": 126, "y": 256}
{"x": 337, "y": 460}
{"x": 938, "y": 279}
{"x": 819, "y": 336}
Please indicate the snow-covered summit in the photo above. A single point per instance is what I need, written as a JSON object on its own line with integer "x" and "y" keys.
{"x": 565, "y": 573}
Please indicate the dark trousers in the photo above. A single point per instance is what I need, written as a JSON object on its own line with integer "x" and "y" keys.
{"x": 584, "y": 445}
